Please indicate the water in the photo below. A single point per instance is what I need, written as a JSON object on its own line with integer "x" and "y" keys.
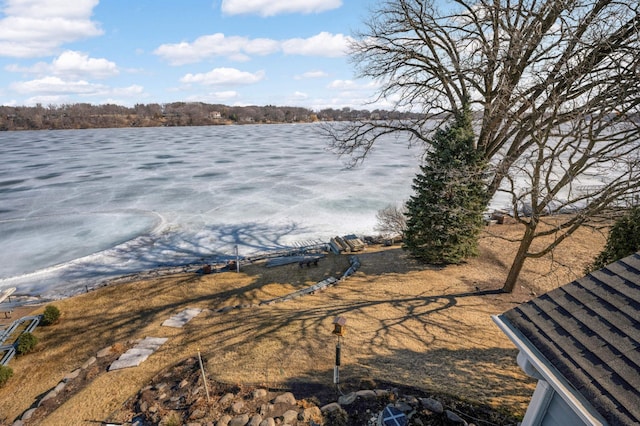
{"x": 78, "y": 207}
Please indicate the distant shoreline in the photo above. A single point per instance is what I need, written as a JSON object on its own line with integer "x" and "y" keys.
{"x": 176, "y": 114}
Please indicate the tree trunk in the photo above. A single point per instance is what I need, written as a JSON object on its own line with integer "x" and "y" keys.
{"x": 521, "y": 256}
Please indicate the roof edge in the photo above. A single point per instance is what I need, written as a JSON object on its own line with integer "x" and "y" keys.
{"x": 549, "y": 373}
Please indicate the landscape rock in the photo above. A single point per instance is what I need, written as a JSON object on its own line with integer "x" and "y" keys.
{"x": 237, "y": 407}
{"x": 347, "y": 399}
{"x": 104, "y": 352}
{"x": 290, "y": 417}
{"x": 454, "y": 418}
{"x": 70, "y": 376}
{"x": 432, "y": 405}
{"x": 224, "y": 420}
{"x": 259, "y": 394}
{"x": 89, "y": 362}
{"x": 333, "y": 406}
{"x": 255, "y": 420}
{"x": 366, "y": 394}
{"x": 226, "y": 398}
{"x": 28, "y": 414}
{"x": 285, "y": 398}
{"x": 268, "y": 422}
{"x": 241, "y": 420}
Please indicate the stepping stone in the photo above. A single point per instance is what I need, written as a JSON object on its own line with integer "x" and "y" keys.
{"x": 139, "y": 353}
{"x": 178, "y": 320}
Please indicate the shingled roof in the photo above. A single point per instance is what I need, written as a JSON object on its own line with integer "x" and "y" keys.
{"x": 589, "y": 330}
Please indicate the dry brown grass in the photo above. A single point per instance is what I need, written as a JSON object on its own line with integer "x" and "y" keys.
{"x": 410, "y": 324}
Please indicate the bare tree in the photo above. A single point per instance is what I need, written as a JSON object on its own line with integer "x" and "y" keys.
{"x": 548, "y": 80}
{"x": 391, "y": 221}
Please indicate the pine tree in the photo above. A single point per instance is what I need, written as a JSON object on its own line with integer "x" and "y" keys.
{"x": 445, "y": 215}
{"x": 623, "y": 240}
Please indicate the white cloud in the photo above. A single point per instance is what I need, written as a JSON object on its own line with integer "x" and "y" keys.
{"x": 239, "y": 48}
{"x": 77, "y": 63}
{"x": 133, "y": 90}
{"x": 311, "y": 74}
{"x": 223, "y": 76}
{"x": 208, "y": 46}
{"x": 342, "y": 85}
{"x": 299, "y": 96}
{"x": 324, "y": 44}
{"x": 215, "y": 97}
{"x": 32, "y": 28}
{"x": 54, "y": 90}
{"x": 56, "y": 85}
{"x": 72, "y": 64}
{"x": 276, "y": 7}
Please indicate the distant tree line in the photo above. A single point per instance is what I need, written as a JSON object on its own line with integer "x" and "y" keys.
{"x": 86, "y": 116}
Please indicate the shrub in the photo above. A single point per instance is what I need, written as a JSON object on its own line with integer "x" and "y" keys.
{"x": 337, "y": 417}
{"x": 26, "y": 343}
{"x": 50, "y": 316}
{"x": 5, "y": 374}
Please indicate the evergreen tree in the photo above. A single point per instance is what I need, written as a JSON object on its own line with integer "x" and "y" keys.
{"x": 445, "y": 215}
{"x": 623, "y": 240}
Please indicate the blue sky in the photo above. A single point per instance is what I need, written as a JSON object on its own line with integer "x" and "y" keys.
{"x": 234, "y": 52}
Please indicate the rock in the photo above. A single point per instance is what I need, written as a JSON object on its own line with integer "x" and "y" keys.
{"x": 311, "y": 413}
{"x": 259, "y": 394}
{"x": 290, "y": 417}
{"x": 411, "y": 400}
{"x": 432, "y": 405}
{"x": 454, "y": 418}
{"x": 366, "y": 394}
{"x": 27, "y": 414}
{"x": 226, "y": 398}
{"x": 17, "y": 423}
{"x": 255, "y": 420}
{"x": 268, "y": 422}
{"x": 197, "y": 414}
{"x": 70, "y": 376}
{"x": 241, "y": 420}
{"x": 347, "y": 399}
{"x": 88, "y": 362}
{"x": 104, "y": 352}
{"x": 403, "y": 406}
{"x": 330, "y": 407}
{"x": 183, "y": 383}
{"x": 237, "y": 407}
{"x": 51, "y": 394}
{"x": 285, "y": 398}
{"x": 224, "y": 420}
{"x": 265, "y": 409}
{"x": 60, "y": 387}
{"x": 381, "y": 392}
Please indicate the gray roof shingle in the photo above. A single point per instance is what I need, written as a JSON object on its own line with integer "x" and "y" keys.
{"x": 589, "y": 330}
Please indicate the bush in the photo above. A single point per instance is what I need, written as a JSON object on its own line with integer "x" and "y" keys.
{"x": 337, "y": 417}
{"x": 50, "y": 316}
{"x": 26, "y": 343}
{"x": 5, "y": 374}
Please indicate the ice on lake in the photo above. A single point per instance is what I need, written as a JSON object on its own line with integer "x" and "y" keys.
{"x": 81, "y": 206}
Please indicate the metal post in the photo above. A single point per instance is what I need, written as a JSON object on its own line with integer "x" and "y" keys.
{"x": 237, "y": 260}
{"x": 336, "y": 369}
{"x": 204, "y": 377}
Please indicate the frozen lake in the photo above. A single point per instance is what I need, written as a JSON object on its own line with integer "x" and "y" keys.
{"x": 78, "y": 207}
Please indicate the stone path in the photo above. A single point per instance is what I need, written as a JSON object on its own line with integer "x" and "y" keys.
{"x": 140, "y": 352}
{"x": 182, "y": 318}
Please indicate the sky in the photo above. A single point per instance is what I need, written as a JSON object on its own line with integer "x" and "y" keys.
{"x": 232, "y": 52}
